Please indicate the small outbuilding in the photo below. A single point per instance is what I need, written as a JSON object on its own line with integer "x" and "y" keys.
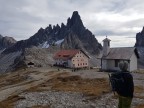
{"x": 73, "y": 58}
{"x": 112, "y": 56}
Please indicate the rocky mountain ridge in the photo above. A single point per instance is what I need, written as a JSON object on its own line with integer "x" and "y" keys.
{"x": 41, "y": 47}
{"x": 50, "y": 35}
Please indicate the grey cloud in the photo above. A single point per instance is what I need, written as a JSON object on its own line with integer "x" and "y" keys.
{"x": 103, "y": 32}
{"x": 22, "y": 18}
{"x": 135, "y": 23}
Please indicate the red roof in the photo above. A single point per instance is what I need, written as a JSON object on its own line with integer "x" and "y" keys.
{"x": 66, "y": 54}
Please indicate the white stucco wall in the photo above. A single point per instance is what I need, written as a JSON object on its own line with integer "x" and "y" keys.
{"x": 80, "y": 60}
{"x": 133, "y": 62}
{"x": 111, "y": 65}
{"x": 104, "y": 64}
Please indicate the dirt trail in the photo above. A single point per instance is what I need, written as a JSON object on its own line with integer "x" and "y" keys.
{"x": 38, "y": 77}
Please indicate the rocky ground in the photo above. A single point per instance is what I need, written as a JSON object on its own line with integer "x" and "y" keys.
{"x": 65, "y": 99}
{"x": 61, "y": 88}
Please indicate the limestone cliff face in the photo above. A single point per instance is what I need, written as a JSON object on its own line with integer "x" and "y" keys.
{"x": 72, "y": 42}
{"x": 6, "y": 42}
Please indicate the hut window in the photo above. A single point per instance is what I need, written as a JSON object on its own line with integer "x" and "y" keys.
{"x": 108, "y": 43}
{"x": 116, "y": 63}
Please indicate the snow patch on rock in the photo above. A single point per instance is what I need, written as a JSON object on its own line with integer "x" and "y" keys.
{"x": 44, "y": 45}
{"x": 59, "y": 41}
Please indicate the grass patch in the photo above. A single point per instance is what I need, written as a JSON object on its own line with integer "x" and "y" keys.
{"x": 9, "y": 102}
{"x": 16, "y": 77}
{"x": 140, "y": 106}
{"x": 90, "y": 87}
{"x": 139, "y": 71}
{"x": 138, "y": 89}
{"x": 13, "y": 80}
{"x": 46, "y": 85}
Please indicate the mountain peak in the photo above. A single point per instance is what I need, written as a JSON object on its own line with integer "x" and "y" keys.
{"x": 1, "y": 36}
{"x": 75, "y": 21}
{"x": 140, "y": 39}
{"x": 75, "y": 14}
{"x": 142, "y": 30}
{"x": 50, "y": 34}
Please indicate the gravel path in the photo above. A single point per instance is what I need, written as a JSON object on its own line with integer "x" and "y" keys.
{"x": 36, "y": 79}
{"x": 63, "y": 100}
{"x": 69, "y": 100}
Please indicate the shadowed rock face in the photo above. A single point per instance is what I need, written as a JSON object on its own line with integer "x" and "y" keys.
{"x": 72, "y": 41}
{"x": 6, "y": 42}
{"x": 140, "y": 39}
{"x": 141, "y": 55}
{"x": 86, "y": 39}
{"x": 74, "y": 33}
{"x": 140, "y": 47}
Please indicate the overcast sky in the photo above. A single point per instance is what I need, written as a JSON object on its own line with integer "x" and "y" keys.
{"x": 119, "y": 19}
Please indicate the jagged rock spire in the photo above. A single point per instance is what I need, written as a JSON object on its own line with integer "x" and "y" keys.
{"x": 74, "y": 29}
{"x": 75, "y": 20}
{"x": 142, "y": 30}
{"x": 140, "y": 39}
